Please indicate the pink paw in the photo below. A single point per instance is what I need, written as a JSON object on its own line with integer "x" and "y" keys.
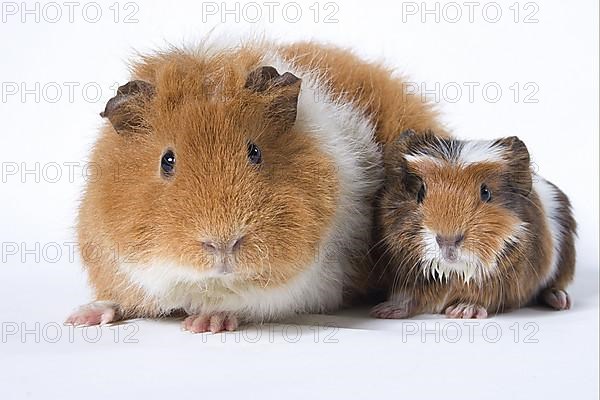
{"x": 215, "y": 323}
{"x": 557, "y": 299}
{"x": 391, "y": 310}
{"x": 95, "y": 313}
{"x": 466, "y": 311}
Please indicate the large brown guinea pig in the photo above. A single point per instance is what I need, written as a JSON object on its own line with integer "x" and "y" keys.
{"x": 467, "y": 229}
{"x": 235, "y": 184}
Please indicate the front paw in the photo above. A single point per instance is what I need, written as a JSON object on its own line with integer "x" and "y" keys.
{"x": 212, "y": 322}
{"x": 94, "y": 313}
{"x": 392, "y": 310}
{"x": 466, "y": 311}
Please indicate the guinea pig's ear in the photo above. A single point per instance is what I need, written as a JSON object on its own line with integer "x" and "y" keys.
{"x": 397, "y": 173}
{"x": 398, "y": 177}
{"x": 403, "y": 140}
{"x": 406, "y": 136}
{"x": 285, "y": 90}
{"x": 394, "y": 159}
{"x": 519, "y": 163}
{"x": 123, "y": 110}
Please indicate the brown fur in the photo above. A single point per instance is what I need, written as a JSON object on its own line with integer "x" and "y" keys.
{"x": 283, "y": 210}
{"x": 370, "y": 86}
{"x": 373, "y": 89}
{"x": 200, "y": 107}
{"x": 452, "y": 204}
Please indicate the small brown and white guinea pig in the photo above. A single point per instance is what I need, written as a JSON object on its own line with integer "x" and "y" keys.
{"x": 235, "y": 184}
{"x": 466, "y": 229}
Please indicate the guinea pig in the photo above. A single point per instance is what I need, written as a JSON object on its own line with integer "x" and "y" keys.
{"x": 235, "y": 184}
{"x": 467, "y": 229}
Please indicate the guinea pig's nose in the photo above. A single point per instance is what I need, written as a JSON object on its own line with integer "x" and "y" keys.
{"x": 223, "y": 247}
{"x": 450, "y": 241}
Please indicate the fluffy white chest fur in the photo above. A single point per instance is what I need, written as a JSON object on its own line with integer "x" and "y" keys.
{"x": 347, "y": 136}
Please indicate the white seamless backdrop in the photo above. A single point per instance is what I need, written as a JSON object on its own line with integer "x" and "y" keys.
{"x": 494, "y": 69}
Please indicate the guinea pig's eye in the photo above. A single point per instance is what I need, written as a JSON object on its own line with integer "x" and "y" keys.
{"x": 167, "y": 164}
{"x": 254, "y": 154}
{"x": 421, "y": 193}
{"x": 485, "y": 193}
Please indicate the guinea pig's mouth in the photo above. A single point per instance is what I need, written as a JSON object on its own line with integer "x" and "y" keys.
{"x": 443, "y": 261}
{"x": 464, "y": 268}
{"x": 228, "y": 270}
{"x": 450, "y": 254}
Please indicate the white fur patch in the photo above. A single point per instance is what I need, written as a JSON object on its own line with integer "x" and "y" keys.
{"x": 465, "y": 153}
{"x": 548, "y": 194}
{"x": 479, "y": 151}
{"x": 423, "y": 158}
{"x": 347, "y": 136}
{"x": 174, "y": 286}
{"x": 469, "y": 266}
